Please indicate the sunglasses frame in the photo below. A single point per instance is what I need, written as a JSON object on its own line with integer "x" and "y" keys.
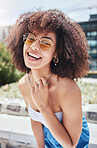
{"x": 24, "y": 40}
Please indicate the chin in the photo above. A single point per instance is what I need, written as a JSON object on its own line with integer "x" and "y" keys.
{"x": 32, "y": 66}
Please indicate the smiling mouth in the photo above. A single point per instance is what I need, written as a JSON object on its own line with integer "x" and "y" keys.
{"x": 33, "y": 56}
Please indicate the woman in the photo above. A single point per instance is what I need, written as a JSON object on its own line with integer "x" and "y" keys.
{"x": 52, "y": 50}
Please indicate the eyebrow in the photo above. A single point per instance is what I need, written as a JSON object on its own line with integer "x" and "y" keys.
{"x": 47, "y": 38}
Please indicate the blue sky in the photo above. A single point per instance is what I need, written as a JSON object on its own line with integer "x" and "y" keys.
{"x": 79, "y": 10}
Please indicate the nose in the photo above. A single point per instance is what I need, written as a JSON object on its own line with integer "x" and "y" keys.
{"x": 35, "y": 46}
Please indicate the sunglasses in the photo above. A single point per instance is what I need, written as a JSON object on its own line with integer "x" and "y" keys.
{"x": 44, "y": 43}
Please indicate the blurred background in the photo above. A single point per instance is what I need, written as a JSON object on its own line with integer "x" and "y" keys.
{"x": 83, "y": 12}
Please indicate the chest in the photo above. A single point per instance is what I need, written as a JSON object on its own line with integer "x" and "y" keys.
{"x": 54, "y": 100}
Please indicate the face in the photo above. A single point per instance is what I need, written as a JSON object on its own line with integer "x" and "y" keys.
{"x": 37, "y": 54}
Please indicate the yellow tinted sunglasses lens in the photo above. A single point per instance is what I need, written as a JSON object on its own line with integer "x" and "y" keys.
{"x": 30, "y": 39}
{"x": 45, "y": 44}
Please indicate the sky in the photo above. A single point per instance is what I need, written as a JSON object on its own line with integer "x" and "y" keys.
{"x": 79, "y": 10}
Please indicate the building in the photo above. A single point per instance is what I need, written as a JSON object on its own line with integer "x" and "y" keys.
{"x": 4, "y": 32}
{"x": 90, "y": 29}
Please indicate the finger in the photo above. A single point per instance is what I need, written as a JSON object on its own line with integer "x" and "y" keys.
{"x": 44, "y": 81}
{"x": 36, "y": 86}
{"x": 32, "y": 88}
{"x": 40, "y": 84}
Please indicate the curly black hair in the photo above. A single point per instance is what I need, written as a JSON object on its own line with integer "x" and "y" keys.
{"x": 71, "y": 46}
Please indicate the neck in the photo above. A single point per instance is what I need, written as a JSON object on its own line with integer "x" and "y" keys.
{"x": 37, "y": 74}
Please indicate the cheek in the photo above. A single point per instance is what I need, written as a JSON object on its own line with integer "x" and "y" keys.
{"x": 49, "y": 55}
{"x": 53, "y": 52}
{"x": 23, "y": 53}
{"x": 24, "y": 50}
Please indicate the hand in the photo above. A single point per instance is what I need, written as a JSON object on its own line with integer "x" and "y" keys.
{"x": 39, "y": 93}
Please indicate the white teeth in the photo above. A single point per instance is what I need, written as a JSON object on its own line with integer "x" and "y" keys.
{"x": 35, "y": 56}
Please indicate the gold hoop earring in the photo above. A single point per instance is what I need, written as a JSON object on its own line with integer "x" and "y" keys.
{"x": 56, "y": 60}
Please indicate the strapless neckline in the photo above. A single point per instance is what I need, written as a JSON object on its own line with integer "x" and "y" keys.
{"x": 37, "y": 116}
{"x": 40, "y": 113}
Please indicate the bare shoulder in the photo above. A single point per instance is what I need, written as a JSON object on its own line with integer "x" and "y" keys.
{"x": 22, "y": 84}
{"x": 22, "y": 81}
{"x": 24, "y": 89}
{"x": 69, "y": 91}
{"x": 67, "y": 85}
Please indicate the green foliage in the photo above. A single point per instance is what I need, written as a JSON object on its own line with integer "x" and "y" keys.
{"x": 8, "y": 72}
{"x": 88, "y": 92}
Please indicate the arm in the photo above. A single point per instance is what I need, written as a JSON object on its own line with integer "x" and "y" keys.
{"x": 37, "y": 129}
{"x": 36, "y": 126}
{"x": 70, "y": 100}
{"x": 38, "y": 133}
{"x": 67, "y": 134}
{"x": 56, "y": 128}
